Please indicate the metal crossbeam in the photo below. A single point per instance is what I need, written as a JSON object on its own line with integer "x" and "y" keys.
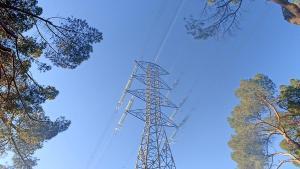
{"x": 165, "y": 120}
{"x": 151, "y": 67}
{"x": 143, "y": 78}
{"x": 143, "y": 94}
{"x": 154, "y": 151}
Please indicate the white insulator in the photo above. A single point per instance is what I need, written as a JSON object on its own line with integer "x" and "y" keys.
{"x": 120, "y": 102}
{"x": 183, "y": 121}
{"x": 183, "y": 101}
{"x": 117, "y": 129}
{"x": 173, "y": 86}
{"x": 129, "y": 105}
{"x": 128, "y": 85}
{"x": 172, "y": 137}
{"x": 122, "y": 119}
{"x": 124, "y": 115}
{"x": 174, "y": 114}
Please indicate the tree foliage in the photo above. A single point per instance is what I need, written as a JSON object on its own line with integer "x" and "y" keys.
{"x": 26, "y": 37}
{"x": 266, "y": 124}
{"x": 222, "y": 16}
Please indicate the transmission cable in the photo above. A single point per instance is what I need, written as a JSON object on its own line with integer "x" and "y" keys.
{"x": 162, "y": 44}
{"x": 170, "y": 28}
{"x": 103, "y": 141}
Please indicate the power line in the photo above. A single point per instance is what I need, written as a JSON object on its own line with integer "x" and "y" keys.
{"x": 154, "y": 149}
{"x": 149, "y": 35}
{"x": 170, "y": 27}
{"x": 101, "y": 143}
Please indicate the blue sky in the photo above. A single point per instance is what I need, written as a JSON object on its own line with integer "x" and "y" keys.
{"x": 88, "y": 95}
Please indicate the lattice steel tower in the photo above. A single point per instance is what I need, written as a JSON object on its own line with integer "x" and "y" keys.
{"x": 154, "y": 151}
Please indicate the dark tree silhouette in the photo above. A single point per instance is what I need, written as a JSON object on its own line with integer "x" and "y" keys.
{"x": 264, "y": 119}
{"x": 26, "y": 37}
{"x": 222, "y": 16}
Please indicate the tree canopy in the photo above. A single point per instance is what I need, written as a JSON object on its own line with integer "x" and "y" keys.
{"x": 222, "y": 16}
{"x": 266, "y": 124}
{"x": 26, "y": 37}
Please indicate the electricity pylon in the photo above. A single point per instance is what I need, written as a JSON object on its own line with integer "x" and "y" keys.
{"x": 154, "y": 150}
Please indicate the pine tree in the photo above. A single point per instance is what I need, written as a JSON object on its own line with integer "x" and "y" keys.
{"x": 221, "y": 17}
{"x": 263, "y": 118}
{"x": 25, "y": 38}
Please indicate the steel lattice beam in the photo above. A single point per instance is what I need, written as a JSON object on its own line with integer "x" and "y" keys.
{"x": 154, "y": 151}
{"x": 142, "y": 94}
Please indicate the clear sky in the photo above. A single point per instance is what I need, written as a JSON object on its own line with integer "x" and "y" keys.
{"x": 134, "y": 28}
